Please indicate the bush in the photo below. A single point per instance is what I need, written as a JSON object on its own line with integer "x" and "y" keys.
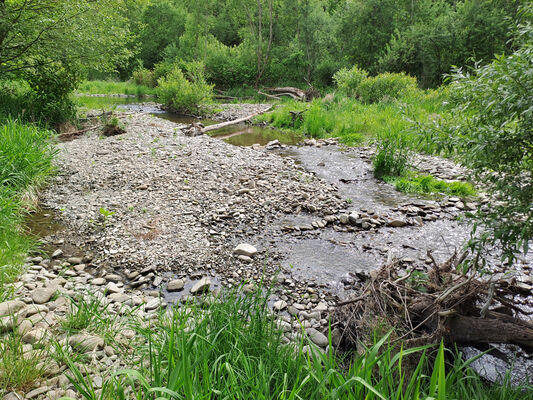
{"x": 385, "y": 86}
{"x": 348, "y": 80}
{"x": 491, "y": 132}
{"x": 182, "y": 95}
{"x": 392, "y": 155}
{"x": 144, "y": 77}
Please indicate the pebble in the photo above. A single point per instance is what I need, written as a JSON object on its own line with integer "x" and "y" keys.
{"x": 245, "y": 249}
{"x": 317, "y": 337}
{"x": 11, "y": 307}
{"x": 201, "y": 286}
{"x": 175, "y": 285}
{"x": 279, "y": 305}
{"x": 85, "y": 342}
{"x": 42, "y": 295}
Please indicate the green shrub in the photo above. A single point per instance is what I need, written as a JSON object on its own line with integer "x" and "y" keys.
{"x": 182, "y": 95}
{"x": 385, "y": 87}
{"x": 144, "y": 77}
{"x": 392, "y": 155}
{"x": 348, "y": 80}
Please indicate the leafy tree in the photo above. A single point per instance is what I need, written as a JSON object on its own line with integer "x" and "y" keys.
{"x": 38, "y": 32}
{"x": 48, "y": 43}
{"x": 492, "y": 134}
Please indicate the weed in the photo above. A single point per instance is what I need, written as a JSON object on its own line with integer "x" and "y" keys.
{"x": 392, "y": 155}
{"x": 233, "y": 349}
{"x": 19, "y": 370}
{"x": 427, "y": 184}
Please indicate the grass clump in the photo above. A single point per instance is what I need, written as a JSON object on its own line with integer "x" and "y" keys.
{"x": 25, "y": 162}
{"x": 355, "y": 122}
{"x": 111, "y": 87}
{"x": 233, "y": 349}
{"x": 427, "y": 184}
{"x": 392, "y": 155}
{"x": 19, "y": 370}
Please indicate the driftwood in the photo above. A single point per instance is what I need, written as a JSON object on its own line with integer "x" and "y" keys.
{"x": 197, "y": 129}
{"x": 443, "y": 304}
{"x": 299, "y": 93}
{"x": 269, "y": 96}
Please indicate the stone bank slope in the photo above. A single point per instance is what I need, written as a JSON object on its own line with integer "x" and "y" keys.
{"x": 180, "y": 204}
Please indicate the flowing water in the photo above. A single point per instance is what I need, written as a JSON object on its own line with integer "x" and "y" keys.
{"x": 330, "y": 257}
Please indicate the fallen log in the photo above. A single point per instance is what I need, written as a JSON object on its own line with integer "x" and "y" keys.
{"x": 199, "y": 129}
{"x": 299, "y": 93}
{"x": 269, "y": 96}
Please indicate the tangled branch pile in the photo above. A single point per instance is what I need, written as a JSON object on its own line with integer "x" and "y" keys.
{"x": 445, "y": 304}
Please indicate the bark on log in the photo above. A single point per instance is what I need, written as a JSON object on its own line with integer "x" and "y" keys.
{"x": 474, "y": 330}
{"x": 196, "y": 129}
{"x": 269, "y": 95}
{"x": 295, "y": 91}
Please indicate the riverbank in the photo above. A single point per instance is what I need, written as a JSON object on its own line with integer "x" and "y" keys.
{"x": 152, "y": 218}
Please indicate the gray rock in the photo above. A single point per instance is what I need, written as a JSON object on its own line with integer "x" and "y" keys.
{"x": 154, "y": 304}
{"x": 57, "y": 253}
{"x": 353, "y": 217}
{"x": 42, "y": 295}
{"x": 74, "y": 260}
{"x": 397, "y": 223}
{"x": 344, "y": 219}
{"x": 85, "y": 343}
{"x": 11, "y": 307}
{"x": 175, "y": 285}
{"x": 279, "y": 305}
{"x": 34, "y": 336}
{"x": 98, "y": 281}
{"x": 11, "y": 396}
{"x": 201, "y": 286}
{"x": 245, "y": 249}
{"x": 317, "y": 337}
{"x": 36, "y": 392}
{"x": 112, "y": 288}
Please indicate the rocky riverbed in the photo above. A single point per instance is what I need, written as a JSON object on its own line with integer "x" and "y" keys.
{"x": 153, "y": 217}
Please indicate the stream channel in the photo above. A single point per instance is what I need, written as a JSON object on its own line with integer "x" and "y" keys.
{"x": 336, "y": 257}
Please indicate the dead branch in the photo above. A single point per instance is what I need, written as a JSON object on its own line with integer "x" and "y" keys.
{"x": 199, "y": 129}
{"x": 454, "y": 308}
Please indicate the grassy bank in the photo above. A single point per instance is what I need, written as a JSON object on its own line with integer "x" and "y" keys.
{"x": 355, "y": 122}
{"x": 233, "y": 349}
{"x": 111, "y": 87}
{"x": 25, "y": 162}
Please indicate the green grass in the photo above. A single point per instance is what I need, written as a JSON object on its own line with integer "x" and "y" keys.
{"x": 427, "y": 184}
{"x": 25, "y": 162}
{"x": 233, "y": 350}
{"x": 355, "y": 122}
{"x": 19, "y": 370}
{"x": 111, "y": 87}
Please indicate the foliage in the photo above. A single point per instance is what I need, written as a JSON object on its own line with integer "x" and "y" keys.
{"x": 144, "y": 77}
{"x": 233, "y": 349}
{"x": 490, "y": 132}
{"x": 392, "y": 154}
{"x": 183, "y": 94}
{"x": 386, "y": 86}
{"x": 19, "y": 369}
{"x": 348, "y": 80}
{"x": 427, "y": 184}
{"x": 25, "y": 162}
{"x": 111, "y": 87}
{"x": 354, "y": 122}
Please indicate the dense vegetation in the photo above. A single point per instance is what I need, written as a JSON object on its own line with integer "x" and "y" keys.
{"x": 381, "y": 63}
